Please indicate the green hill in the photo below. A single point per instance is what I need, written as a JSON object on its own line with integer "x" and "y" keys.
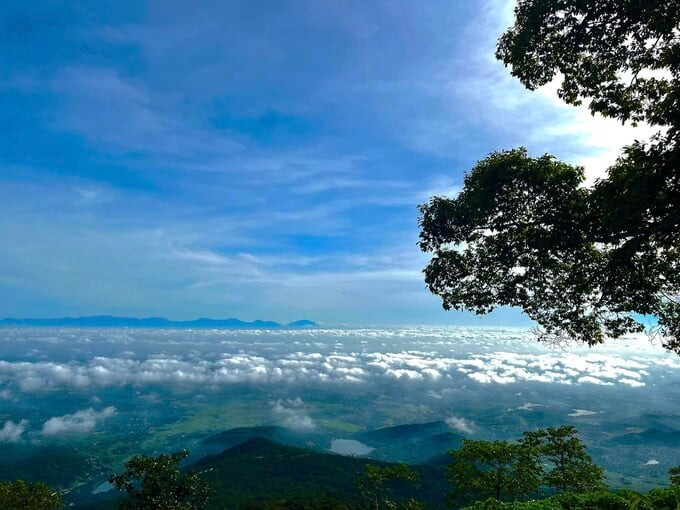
{"x": 57, "y": 466}
{"x": 260, "y": 470}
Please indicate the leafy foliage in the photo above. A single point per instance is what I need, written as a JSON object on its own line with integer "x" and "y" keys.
{"x": 674, "y": 474}
{"x": 570, "y": 467}
{"x": 554, "y": 458}
{"x": 297, "y": 504}
{"x": 583, "y": 263}
{"x": 377, "y": 483}
{"x": 157, "y": 483}
{"x": 623, "y": 56}
{"x": 28, "y": 496}
{"x": 656, "y": 499}
{"x": 497, "y": 469}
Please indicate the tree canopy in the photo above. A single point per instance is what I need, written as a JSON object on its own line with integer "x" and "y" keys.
{"x": 567, "y": 467}
{"x": 674, "y": 474}
{"x": 158, "y": 483}
{"x": 492, "y": 469}
{"x": 28, "y": 496}
{"x": 377, "y": 482}
{"x": 554, "y": 459}
{"x": 585, "y": 263}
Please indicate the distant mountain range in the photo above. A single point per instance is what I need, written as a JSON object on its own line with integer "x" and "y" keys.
{"x": 109, "y": 321}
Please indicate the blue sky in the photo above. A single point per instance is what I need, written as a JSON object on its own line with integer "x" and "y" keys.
{"x": 252, "y": 159}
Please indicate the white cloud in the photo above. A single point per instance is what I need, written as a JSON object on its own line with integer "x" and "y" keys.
{"x": 11, "y": 432}
{"x": 292, "y": 414}
{"x": 526, "y": 407}
{"x": 582, "y": 412}
{"x": 416, "y": 356}
{"x": 460, "y": 424}
{"x": 77, "y": 423}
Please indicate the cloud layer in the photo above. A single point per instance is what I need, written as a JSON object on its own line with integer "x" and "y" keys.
{"x": 420, "y": 356}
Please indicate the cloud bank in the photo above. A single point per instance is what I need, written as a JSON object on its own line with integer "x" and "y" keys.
{"x": 430, "y": 357}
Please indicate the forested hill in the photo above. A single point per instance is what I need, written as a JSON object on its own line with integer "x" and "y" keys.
{"x": 260, "y": 469}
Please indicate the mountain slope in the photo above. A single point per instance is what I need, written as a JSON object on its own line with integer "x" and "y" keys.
{"x": 260, "y": 469}
{"x": 650, "y": 437}
{"x": 412, "y": 443}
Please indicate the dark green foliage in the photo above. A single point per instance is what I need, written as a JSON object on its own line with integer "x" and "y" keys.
{"x": 297, "y": 504}
{"x": 157, "y": 483}
{"x": 674, "y": 474}
{"x": 657, "y": 499}
{"x": 377, "y": 484}
{"x": 553, "y": 458}
{"x": 260, "y": 470}
{"x": 28, "y": 496}
{"x": 665, "y": 499}
{"x": 497, "y": 469}
{"x": 56, "y": 466}
{"x": 569, "y": 467}
{"x": 584, "y": 263}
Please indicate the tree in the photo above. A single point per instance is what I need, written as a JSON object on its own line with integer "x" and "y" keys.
{"x": 674, "y": 474}
{"x": 493, "y": 469}
{"x": 157, "y": 483}
{"x": 571, "y": 469}
{"x": 584, "y": 263}
{"x": 28, "y": 496}
{"x": 376, "y": 485}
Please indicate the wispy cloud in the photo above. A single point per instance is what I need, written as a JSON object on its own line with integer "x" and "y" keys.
{"x": 190, "y": 162}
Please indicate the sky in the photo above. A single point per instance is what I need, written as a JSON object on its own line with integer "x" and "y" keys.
{"x": 253, "y": 159}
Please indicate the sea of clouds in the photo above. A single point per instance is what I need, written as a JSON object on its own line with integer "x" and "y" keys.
{"x": 38, "y": 360}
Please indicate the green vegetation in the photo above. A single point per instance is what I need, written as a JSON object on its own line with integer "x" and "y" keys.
{"x": 261, "y": 474}
{"x": 158, "y": 483}
{"x": 657, "y": 499}
{"x": 585, "y": 263}
{"x": 498, "y": 469}
{"x": 57, "y": 466}
{"x": 570, "y": 466}
{"x": 554, "y": 459}
{"x": 28, "y": 496}
{"x": 674, "y": 474}
{"x": 377, "y": 484}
